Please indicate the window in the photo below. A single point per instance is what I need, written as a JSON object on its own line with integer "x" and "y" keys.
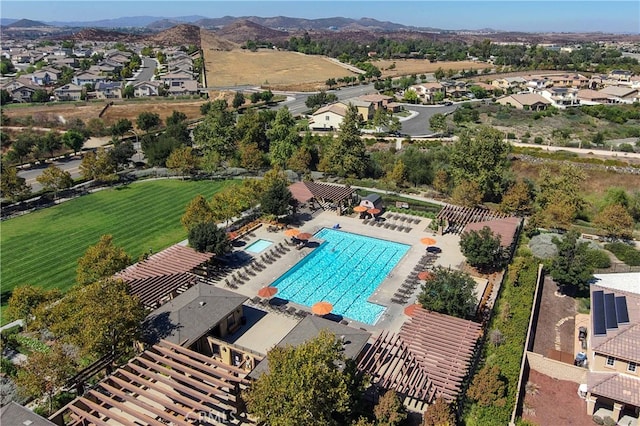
{"x": 632, "y": 367}
{"x": 610, "y": 361}
{"x": 326, "y": 117}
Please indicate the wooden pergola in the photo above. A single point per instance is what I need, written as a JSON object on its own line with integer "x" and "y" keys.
{"x": 457, "y": 217}
{"x": 167, "y": 384}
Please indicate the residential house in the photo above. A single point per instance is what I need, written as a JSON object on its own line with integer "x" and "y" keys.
{"x": 186, "y": 87}
{"x": 620, "y": 75}
{"x": 185, "y": 65}
{"x": 528, "y": 101}
{"x": 506, "y": 83}
{"x": 537, "y": 83}
{"x": 62, "y": 62}
{"x": 43, "y": 78}
{"x": 108, "y": 90}
{"x": 328, "y": 117}
{"x": 561, "y": 97}
{"x": 87, "y": 78}
{"x": 365, "y": 108}
{"x": 613, "y": 381}
{"x": 455, "y": 89}
{"x": 593, "y": 97}
{"x": 20, "y": 91}
{"x": 147, "y": 88}
{"x": 378, "y": 101}
{"x": 427, "y": 91}
{"x": 82, "y": 52}
{"x": 68, "y": 92}
{"x": 175, "y": 77}
{"x": 15, "y": 414}
{"x": 577, "y": 81}
{"x": 621, "y": 94}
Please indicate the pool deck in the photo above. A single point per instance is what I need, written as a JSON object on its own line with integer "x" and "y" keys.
{"x": 266, "y": 330}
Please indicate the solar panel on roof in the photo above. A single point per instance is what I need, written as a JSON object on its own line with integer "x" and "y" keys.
{"x": 621, "y": 310}
{"x": 597, "y": 312}
{"x": 611, "y": 319}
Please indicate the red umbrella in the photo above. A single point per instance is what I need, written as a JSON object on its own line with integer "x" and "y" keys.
{"x": 425, "y": 275}
{"x": 428, "y": 241}
{"x": 360, "y": 209}
{"x": 304, "y": 236}
{"x": 411, "y": 309}
{"x": 322, "y": 308}
{"x": 374, "y": 211}
{"x": 267, "y": 291}
{"x": 291, "y": 232}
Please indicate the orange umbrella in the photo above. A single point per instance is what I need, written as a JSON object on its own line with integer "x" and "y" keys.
{"x": 360, "y": 209}
{"x": 411, "y": 309}
{"x": 232, "y": 235}
{"x": 267, "y": 291}
{"x": 322, "y": 308}
{"x": 374, "y": 211}
{"x": 425, "y": 275}
{"x": 304, "y": 236}
{"x": 428, "y": 241}
{"x": 291, "y": 232}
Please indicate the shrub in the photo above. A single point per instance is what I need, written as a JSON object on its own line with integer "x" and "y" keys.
{"x": 598, "y": 259}
{"x": 511, "y": 135}
{"x": 608, "y": 421}
{"x": 625, "y": 147}
{"x": 538, "y": 140}
{"x": 598, "y": 420}
{"x": 624, "y": 252}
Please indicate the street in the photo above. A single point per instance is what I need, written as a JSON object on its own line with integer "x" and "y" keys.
{"x": 147, "y": 70}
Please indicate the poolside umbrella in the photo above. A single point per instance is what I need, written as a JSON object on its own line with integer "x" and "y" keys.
{"x": 232, "y": 235}
{"x": 359, "y": 209}
{"x": 428, "y": 241}
{"x": 425, "y": 275}
{"x": 267, "y": 291}
{"x": 322, "y": 308}
{"x": 373, "y": 212}
{"x": 304, "y": 236}
{"x": 291, "y": 232}
{"x": 411, "y": 309}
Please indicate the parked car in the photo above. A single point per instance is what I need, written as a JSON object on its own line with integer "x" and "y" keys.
{"x": 581, "y": 359}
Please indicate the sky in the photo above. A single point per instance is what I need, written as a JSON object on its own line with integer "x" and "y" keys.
{"x": 507, "y": 15}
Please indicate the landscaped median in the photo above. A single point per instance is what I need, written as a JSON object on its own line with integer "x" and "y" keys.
{"x": 42, "y": 248}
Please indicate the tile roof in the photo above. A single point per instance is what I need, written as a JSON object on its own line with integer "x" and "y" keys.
{"x": 529, "y": 99}
{"x": 506, "y": 228}
{"x": 15, "y": 414}
{"x": 619, "y": 387}
{"x": 622, "y": 341}
{"x": 618, "y": 91}
{"x": 337, "y": 108}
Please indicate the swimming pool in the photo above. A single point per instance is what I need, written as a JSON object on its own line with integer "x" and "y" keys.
{"x": 258, "y": 246}
{"x": 345, "y": 270}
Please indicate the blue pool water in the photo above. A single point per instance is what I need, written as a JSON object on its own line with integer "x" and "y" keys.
{"x": 258, "y": 246}
{"x": 345, "y": 270}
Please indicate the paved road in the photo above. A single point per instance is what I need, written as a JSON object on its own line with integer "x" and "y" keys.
{"x": 419, "y": 124}
{"x": 147, "y": 70}
{"x": 71, "y": 165}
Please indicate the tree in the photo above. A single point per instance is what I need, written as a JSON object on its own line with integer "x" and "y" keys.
{"x": 483, "y": 249}
{"x": 55, "y": 179}
{"x": 44, "y": 373}
{"x": 488, "y": 387}
{"x": 176, "y": 118}
{"x": 481, "y": 157}
{"x": 449, "y": 292}
{"x": 120, "y": 127}
{"x": 158, "y": 149}
{"x": 238, "y": 100}
{"x": 22, "y": 146}
{"x": 25, "y": 299}
{"x": 101, "y": 260}
{"x": 198, "y": 211}
{"x": 439, "y": 74}
{"x": 121, "y": 153}
{"x": 147, "y": 121}
{"x": 389, "y": 410}
{"x": 438, "y": 123}
{"x": 251, "y": 157}
{"x": 615, "y": 221}
{"x": 330, "y": 82}
{"x": 50, "y": 142}
{"x": 346, "y": 153}
{"x": 225, "y": 205}
{"x": 304, "y": 385}
{"x": 12, "y": 186}
{"x": 183, "y": 161}
{"x": 129, "y": 92}
{"x": 217, "y": 133}
{"x": 439, "y": 414}
{"x": 283, "y": 137}
{"x": 276, "y": 199}
{"x": 411, "y": 96}
{"x": 40, "y": 96}
{"x": 518, "y": 199}
{"x": 98, "y": 166}
{"x": 73, "y": 140}
{"x": 207, "y": 237}
{"x": 558, "y": 196}
{"x": 570, "y": 268}
{"x": 396, "y": 176}
{"x": 441, "y": 181}
{"x": 466, "y": 194}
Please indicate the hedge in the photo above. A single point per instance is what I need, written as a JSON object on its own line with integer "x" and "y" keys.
{"x": 625, "y": 252}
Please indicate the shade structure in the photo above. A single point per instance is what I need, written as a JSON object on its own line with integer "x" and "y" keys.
{"x": 304, "y": 236}
{"x": 411, "y": 309}
{"x": 360, "y": 209}
{"x": 322, "y": 308}
{"x": 292, "y": 232}
{"x": 374, "y": 211}
{"x": 267, "y": 291}
{"x": 425, "y": 275}
{"x": 428, "y": 241}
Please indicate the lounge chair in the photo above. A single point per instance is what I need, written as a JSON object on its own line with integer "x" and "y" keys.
{"x": 379, "y": 224}
{"x": 366, "y": 221}
{"x": 400, "y": 228}
{"x": 255, "y": 300}
{"x": 291, "y": 310}
{"x": 393, "y": 226}
{"x": 344, "y": 322}
{"x": 398, "y": 300}
{"x": 386, "y": 225}
{"x": 407, "y": 229}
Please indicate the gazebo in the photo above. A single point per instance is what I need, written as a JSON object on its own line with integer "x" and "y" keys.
{"x": 328, "y": 196}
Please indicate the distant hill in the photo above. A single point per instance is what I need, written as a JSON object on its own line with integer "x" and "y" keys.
{"x": 97, "y": 34}
{"x": 6, "y": 21}
{"x": 243, "y": 30}
{"x": 183, "y": 34}
{"x": 128, "y": 21}
{"x": 27, "y": 23}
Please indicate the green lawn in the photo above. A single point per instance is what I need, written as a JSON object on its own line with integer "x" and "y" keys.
{"x": 42, "y": 248}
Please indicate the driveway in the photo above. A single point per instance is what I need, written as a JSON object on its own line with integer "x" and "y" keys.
{"x": 418, "y": 125}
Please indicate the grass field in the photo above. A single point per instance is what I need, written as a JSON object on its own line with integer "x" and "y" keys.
{"x": 423, "y": 66}
{"x": 42, "y": 248}
{"x": 268, "y": 68}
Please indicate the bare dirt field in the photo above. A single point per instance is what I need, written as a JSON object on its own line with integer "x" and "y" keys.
{"x": 269, "y": 68}
{"x": 549, "y": 401}
{"x": 65, "y": 111}
{"x": 423, "y": 66}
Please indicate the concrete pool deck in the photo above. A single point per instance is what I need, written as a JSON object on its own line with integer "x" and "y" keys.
{"x": 260, "y": 334}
